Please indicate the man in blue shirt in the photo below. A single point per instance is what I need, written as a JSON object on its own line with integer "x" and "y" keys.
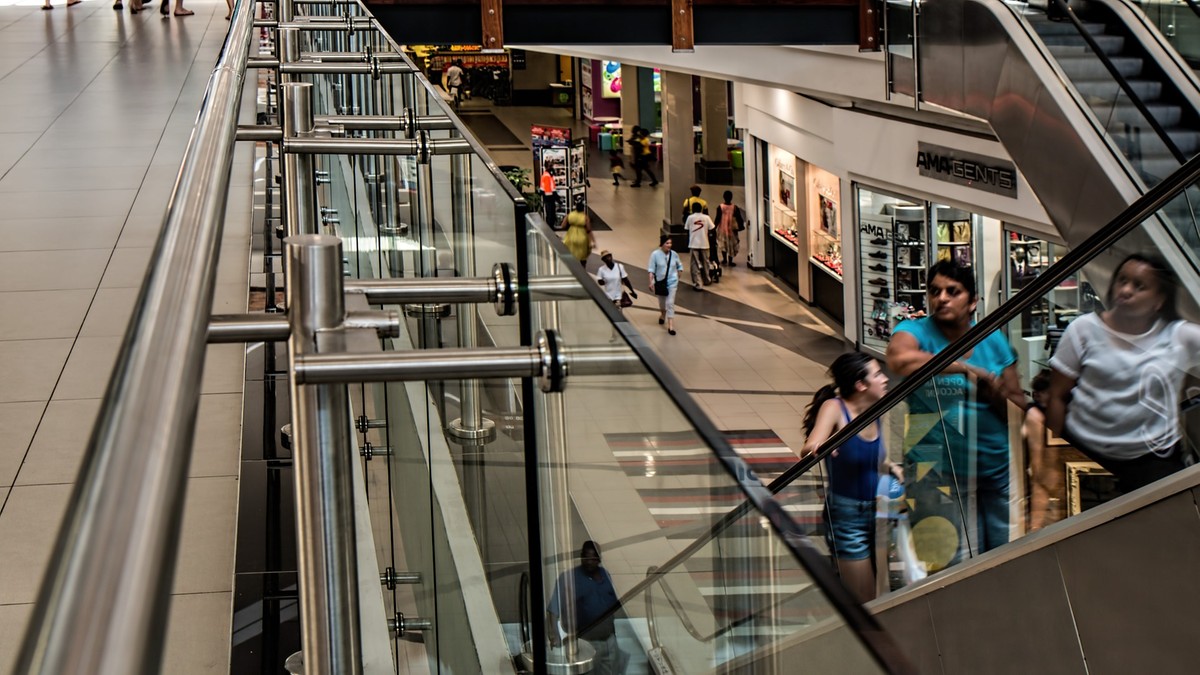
{"x": 957, "y": 448}
{"x": 586, "y": 601}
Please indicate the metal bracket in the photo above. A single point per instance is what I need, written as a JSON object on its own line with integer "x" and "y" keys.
{"x": 369, "y": 451}
{"x": 391, "y": 578}
{"x": 401, "y": 625}
{"x": 364, "y": 424}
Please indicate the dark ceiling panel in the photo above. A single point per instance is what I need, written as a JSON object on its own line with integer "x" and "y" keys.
{"x": 755, "y": 24}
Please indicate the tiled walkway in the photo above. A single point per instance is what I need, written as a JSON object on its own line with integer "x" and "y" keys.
{"x": 95, "y": 110}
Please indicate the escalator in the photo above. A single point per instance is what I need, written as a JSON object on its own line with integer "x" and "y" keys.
{"x": 1106, "y": 589}
{"x": 1094, "y": 106}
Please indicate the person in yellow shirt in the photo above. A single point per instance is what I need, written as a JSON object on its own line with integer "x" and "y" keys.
{"x": 694, "y": 199}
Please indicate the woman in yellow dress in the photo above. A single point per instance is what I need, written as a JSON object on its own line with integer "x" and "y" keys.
{"x": 579, "y": 238}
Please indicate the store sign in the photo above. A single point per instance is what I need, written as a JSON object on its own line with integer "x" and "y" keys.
{"x": 966, "y": 168}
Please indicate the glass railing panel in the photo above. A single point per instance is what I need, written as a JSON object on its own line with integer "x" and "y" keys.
{"x": 1080, "y": 398}
{"x": 1179, "y": 23}
{"x": 623, "y": 466}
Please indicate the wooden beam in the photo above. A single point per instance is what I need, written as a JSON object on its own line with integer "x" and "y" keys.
{"x": 868, "y": 25}
{"x": 683, "y": 35}
{"x": 492, "y": 12}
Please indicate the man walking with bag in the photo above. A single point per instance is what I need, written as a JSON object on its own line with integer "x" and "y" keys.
{"x": 698, "y": 225}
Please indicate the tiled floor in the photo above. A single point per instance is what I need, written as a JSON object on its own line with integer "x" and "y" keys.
{"x": 95, "y": 110}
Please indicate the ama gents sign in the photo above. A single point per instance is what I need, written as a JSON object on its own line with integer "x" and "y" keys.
{"x": 965, "y": 168}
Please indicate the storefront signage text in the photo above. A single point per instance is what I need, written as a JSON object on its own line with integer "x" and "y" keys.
{"x": 965, "y": 168}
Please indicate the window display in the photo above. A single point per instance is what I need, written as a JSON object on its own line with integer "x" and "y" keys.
{"x": 825, "y": 237}
{"x": 783, "y": 198}
{"x": 892, "y": 259}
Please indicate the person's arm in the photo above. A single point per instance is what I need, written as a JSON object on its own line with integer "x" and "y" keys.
{"x": 1061, "y": 385}
{"x": 1010, "y": 387}
{"x": 1034, "y": 432}
{"x": 587, "y": 225}
{"x": 904, "y": 357}
{"x": 650, "y": 269}
{"x": 824, "y": 426}
{"x": 625, "y": 280}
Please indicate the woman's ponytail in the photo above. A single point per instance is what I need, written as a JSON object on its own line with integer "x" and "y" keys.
{"x": 810, "y": 413}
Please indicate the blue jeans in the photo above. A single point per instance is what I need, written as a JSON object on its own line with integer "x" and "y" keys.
{"x": 967, "y": 489}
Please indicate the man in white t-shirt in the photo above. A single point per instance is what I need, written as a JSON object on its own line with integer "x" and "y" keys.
{"x": 698, "y": 225}
{"x": 452, "y": 79}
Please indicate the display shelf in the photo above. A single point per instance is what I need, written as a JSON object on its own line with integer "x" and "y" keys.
{"x": 789, "y": 239}
{"x": 825, "y": 268}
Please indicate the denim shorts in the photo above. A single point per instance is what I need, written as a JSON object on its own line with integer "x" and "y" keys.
{"x": 851, "y": 526}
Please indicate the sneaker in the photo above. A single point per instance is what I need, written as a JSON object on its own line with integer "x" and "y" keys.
{"x": 879, "y": 241}
{"x": 878, "y": 268}
{"x": 881, "y": 293}
{"x": 878, "y": 255}
{"x": 732, "y": 264}
{"x": 671, "y": 331}
{"x": 615, "y": 182}
{"x": 878, "y": 281}
{"x": 635, "y": 185}
{"x": 697, "y": 287}
{"x": 653, "y": 183}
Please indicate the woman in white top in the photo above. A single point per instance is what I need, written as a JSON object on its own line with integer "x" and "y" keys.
{"x": 1114, "y": 389}
{"x": 611, "y": 275}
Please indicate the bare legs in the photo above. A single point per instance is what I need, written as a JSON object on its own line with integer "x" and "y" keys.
{"x": 858, "y": 577}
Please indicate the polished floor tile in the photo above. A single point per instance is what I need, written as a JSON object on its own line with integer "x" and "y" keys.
{"x": 28, "y": 528}
{"x": 88, "y": 369}
{"x": 217, "y": 446}
{"x": 198, "y": 647}
{"x": 31, "y": 368}
{"x": 59, "y": 445}
{"x": 29, "y": 315}
{"x": 110, "y": 312}
{"x": 13, "y": 619}
{"x": 52, "y": 270}
{"x": 59, "y": 234}
{"x": 207, "y": 536}
{"x": 18, "y": 422}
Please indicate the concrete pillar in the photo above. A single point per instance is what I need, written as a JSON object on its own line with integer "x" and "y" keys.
{"x": 678, "y": 162}
{"x": 714, "y": 118}
{"x": 630, "y": 116}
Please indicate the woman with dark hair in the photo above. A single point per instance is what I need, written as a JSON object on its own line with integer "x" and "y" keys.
{"x": 1117, "y": 374}
{"x": 579, "y": 238}
{"x": 854, "y": 468}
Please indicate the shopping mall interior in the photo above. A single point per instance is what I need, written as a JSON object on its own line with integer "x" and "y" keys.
{"x": 513, "y": 337}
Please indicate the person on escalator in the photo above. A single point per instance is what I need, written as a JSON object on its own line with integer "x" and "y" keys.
{"x": 1117, "y": 374}
{"x": 585, "y": 599}
{"x": 957, "y": 448}
{"x": 854, "y": 468}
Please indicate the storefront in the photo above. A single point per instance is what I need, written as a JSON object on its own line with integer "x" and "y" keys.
{"x": 803, "y": 231}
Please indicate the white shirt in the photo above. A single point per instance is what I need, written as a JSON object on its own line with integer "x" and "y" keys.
{"x": 610, "y": 279}
{"x": 698, "y": 226}
{"x": 454, "y": 77}
{"x": 1126, "y": 398}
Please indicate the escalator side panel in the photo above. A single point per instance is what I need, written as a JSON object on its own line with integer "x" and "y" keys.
{"x": 1114, "y": 592}
{"x": 1079, "y": 180}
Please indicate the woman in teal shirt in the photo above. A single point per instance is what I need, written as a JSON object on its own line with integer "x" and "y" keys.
{"x": 958, "y": 421}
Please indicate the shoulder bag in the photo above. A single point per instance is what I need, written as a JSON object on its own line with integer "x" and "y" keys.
{"x": 660, "y": 285}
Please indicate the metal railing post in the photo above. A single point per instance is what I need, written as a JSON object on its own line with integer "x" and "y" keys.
{"x": 323, "y": 462}
{"x": 299, "y": 200}
{"x": 470, "y": 426}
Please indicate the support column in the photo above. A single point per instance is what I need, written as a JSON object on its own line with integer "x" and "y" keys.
{"x": 630, "y": 113}
{"x": 299, "y": 194}
{"x": 714, "y": 121}
{"x": 679, "y": 162}
{"x": 326, "y": 553}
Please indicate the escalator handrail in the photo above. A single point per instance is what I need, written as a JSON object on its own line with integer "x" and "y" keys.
{"x": 1137, "y": 213}
{"x": 1122, "y": 82}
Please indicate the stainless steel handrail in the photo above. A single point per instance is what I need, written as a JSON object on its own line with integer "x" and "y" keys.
{"x": 103, "y": 603}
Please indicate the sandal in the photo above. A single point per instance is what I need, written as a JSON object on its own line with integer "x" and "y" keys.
{"x": 118, "y": 6}
{"x": 45, "y": 7}
{"x": 72, "y": 3}
{"x": 184, "y": 12}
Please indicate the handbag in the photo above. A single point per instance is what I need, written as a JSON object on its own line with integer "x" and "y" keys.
{"x": 740, "y": 218}
{"x": 625, "y": 300}
{"x": 660, "y": 285}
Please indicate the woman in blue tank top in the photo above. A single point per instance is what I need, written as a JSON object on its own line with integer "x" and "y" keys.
{"x": 854, "y": 468}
